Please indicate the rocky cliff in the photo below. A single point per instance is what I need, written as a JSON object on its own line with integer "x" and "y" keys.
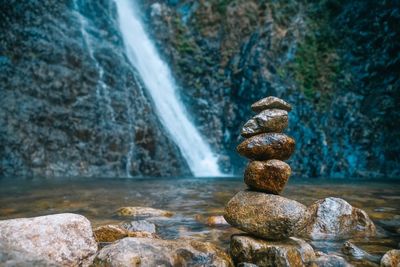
{"x": 72, "y": 105}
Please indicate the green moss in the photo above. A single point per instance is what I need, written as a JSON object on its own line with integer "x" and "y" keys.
{"x": 316, "y": 65}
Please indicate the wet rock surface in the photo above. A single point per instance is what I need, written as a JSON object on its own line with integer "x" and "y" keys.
{"x": 140, "y": 226}
{"x": 270, "y": 102}
{"x": 268, "y": 121}
{"x": 329, "y": 260}
{"x": 335, "y": 218}
{"x": 391, "y": 258}
{"x": 270, "y": 176}
{"x": 52, "y": 240}
{"x": 264, "y": 215}
{"x": 141, "y": 212}
{"x": 154, "y": 252}
{"x": 111, "y": 233}
{"x": 267, "y": 146}
{"x": 290, "y": 252}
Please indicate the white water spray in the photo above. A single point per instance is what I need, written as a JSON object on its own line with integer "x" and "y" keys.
{"x": 158, "y": 81}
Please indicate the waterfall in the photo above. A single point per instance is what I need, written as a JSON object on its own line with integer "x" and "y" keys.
{"x": 158, "y": 80}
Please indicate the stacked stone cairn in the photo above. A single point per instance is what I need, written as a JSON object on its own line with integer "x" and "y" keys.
{"x": 272, "y": 223}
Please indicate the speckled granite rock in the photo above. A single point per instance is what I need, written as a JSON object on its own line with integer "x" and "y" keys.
{"x": 269, "y": 176}
{"x": 62, "y": 239}
{"x": 391, "y": 258}
{"x": 267, "y": 146}
{"x": 335, "y": 218}
{"x": 156, "y": 252}
{"x": 264, "y": 215}
{"x": 291, "y": 252}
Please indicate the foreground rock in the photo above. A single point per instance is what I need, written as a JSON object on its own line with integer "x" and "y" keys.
{"x": 332, "y": 218}
{"x": 111, "y": 233}
{"x": 270, "y": 102}
{"x": 156, "y": 252}
{"x": 268, "y": 121}
{"x": 267, "y": 146}
{"x": 267, "y": 216}
{"x": 391, "y": 258}
{"x": 62, "y": 239}
{"x": 143, "y": 212}
{"x": 269, "y": 176}
{"x": 292, "y": 252}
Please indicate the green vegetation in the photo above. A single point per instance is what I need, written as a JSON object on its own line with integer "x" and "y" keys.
{"x": 316, "y": 63}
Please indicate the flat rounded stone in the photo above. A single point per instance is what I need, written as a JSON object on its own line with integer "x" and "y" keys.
{"x": 267, "y": 146}
{"x": 156, "y": 252}
{"x": 270, "y": 120}
{"x": 289, "y": 252}
{"x": 264, "y": 215}
{"x": 270, "y": 102}
{"x": 268, "y": 176}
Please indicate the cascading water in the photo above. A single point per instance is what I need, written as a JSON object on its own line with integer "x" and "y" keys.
{"x": 158, "y": 80}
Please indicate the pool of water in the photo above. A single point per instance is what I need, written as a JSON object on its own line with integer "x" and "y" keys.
{"x": 192, "y": 200}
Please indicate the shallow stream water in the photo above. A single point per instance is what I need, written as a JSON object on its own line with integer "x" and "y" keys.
{"x": 192, "y": 200}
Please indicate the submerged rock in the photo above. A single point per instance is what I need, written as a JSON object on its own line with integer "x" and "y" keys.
{"x": 143, "y": 212}
{"x": 291, "y": 252}
{"x": 391, "y": 258}
{"x": 140, "y": 226}
{"x": 216, "y": 221}
{"x": 62, "y": 239}
{"x": 329, "y": 260}
{"x": 268, "y": 121}
{"x": 156, "y": 252}
{"x": 355, "y": 253}
{"x": 335, "y": 218}
{"x": 111, "y": 233}
{"x": 267, "y": 146}
{"x": 270, "y": 176}
{"x": 270, "y": 102}
{"x": 264, "y": 215}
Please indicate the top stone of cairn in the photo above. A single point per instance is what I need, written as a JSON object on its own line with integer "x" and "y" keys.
{"x": 271, "y": 102}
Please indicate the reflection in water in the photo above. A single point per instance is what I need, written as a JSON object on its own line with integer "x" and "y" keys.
{"x": 192, "y": 200}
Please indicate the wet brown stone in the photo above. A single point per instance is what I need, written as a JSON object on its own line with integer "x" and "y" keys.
{"x": 268, "y": 121}
{"x": 290, "y": 252}
{"x": 270, "y": 102}
{"x": 264, "y": 215}
{"x": 111, "y": 233}
{"x": 269, "y": 176}
{"x": 267, "y": 146}
{"x": 391, "y": 258}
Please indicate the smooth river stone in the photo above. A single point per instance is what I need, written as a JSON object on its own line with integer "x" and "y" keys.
{"x": 268, "y": 121}
{"x": 267, "y": 216}
{"x": 156, "y": 252}
{"x": 391, "y": 258}
{"x": 334, "y": 218}
{"x": 267, "y": 146}
{"x": 290, "y": 252}
{"x": 269, "y": 176}
{"x": 64, "y": 239}
{"x": 270, "y": 103}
